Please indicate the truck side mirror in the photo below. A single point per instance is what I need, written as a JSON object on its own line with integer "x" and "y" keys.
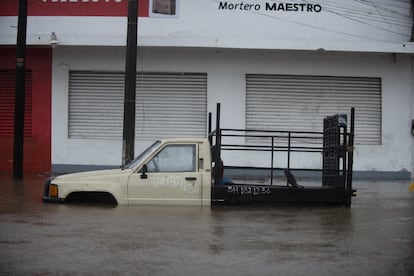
{"x": 144, "y": 172}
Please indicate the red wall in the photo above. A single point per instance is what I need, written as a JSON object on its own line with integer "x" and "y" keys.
{"x": 37, "y": 149}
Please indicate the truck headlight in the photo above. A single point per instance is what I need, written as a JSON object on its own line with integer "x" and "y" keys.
{"x": 53, "y": 190}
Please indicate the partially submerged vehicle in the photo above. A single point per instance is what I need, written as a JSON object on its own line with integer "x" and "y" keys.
{"x": 190, "y": 171}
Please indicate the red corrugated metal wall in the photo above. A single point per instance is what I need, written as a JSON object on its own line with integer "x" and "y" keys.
{"x": 7, "y": 98}
{"x": 37, "y": 142}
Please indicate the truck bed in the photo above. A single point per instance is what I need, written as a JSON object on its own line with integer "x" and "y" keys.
{"x": 273, "y": 195}
{"x": 335, "y": 145}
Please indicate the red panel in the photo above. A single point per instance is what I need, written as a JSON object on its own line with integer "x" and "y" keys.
{"x": 73, "y": 8}
{"x": 37, "y": 148}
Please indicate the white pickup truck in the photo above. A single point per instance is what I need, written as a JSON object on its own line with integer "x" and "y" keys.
{"x": 172, "y": 171}
{"x": 186, "y": 171}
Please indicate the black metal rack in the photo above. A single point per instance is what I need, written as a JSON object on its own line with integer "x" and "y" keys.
{"x": 335, "y": 144}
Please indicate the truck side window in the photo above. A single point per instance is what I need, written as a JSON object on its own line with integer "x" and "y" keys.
{"x": 174, "y": 158}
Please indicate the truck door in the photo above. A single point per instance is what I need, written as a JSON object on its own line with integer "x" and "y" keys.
{"x": 170, "y": 177}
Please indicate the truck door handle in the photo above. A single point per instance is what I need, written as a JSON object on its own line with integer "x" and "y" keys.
{"x": 191, "y": 178}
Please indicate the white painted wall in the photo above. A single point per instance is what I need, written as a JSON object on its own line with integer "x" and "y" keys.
{"x": 379, "y": 26}
{"x": 226, "y": 71}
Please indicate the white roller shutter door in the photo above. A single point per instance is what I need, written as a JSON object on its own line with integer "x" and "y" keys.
{"x": 168, "y": 105}
{"x": 171, "y": 105}
{"x": 290, "y": 102}
{"x": 95, "y": 104}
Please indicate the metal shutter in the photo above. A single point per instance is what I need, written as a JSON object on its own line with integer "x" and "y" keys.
{"x": 7, "y": 101}
{"x": 168, "y": 105}
{"x": 290, "y": 102}
{"x": 95, "y": 104}
{"x": 171, "y": 105}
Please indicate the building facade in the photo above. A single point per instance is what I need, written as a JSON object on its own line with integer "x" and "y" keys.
{"x": 272, "y": 65}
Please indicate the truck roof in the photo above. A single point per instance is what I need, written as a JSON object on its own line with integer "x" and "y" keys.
{"x": 184, "y": 140}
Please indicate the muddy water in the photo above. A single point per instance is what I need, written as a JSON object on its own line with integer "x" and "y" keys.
{"x": 373, "y": 237}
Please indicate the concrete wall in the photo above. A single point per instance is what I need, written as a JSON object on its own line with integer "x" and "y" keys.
{"x": 226, "y": 71}
{"x": 334, "y": 25}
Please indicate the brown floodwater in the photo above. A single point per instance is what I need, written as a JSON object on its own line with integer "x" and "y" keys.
{"x": 373, "y": 237}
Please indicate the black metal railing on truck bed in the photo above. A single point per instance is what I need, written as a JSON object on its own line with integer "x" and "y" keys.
{"x": 335, "y": 144}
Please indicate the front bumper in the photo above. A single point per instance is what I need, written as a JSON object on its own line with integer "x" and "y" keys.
{"x": 46, "y": 197}
{"x": 49, "y": 199}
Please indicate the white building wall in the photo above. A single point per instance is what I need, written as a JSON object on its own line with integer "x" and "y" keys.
{"x": 226, "y": 71}
{"x": 343, "y": 38}
{"x": 380, "y": 26}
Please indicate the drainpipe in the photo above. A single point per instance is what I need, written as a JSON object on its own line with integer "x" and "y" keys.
{"x": 412, "y": 122}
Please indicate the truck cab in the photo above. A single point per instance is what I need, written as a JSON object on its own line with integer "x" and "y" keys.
{"x": 177, "y": 172}
{"x": 169, "y": 172}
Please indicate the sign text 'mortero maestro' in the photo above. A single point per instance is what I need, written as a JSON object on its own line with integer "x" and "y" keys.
{"x": 274, "y": 6}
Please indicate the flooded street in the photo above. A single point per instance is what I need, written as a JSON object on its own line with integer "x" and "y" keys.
{"x": 373, "y": 237}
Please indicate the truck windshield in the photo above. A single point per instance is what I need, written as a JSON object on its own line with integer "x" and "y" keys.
{"x": 142, "y": 155}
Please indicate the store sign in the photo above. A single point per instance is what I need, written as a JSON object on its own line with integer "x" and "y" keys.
{"x": 162, "y": 8}
{"x": 269, "y": 7}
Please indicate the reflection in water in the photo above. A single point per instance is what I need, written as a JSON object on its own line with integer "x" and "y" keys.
{"x": 373, "y": 237}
